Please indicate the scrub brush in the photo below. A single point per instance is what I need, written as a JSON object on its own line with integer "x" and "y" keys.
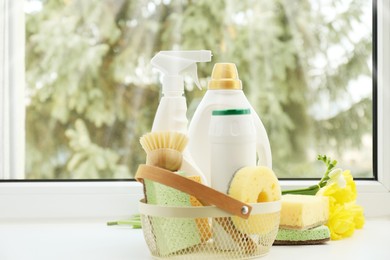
{"x": 164, "y": 149}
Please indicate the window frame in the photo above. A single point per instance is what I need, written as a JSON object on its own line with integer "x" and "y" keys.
{"x": 38, "y": 200}
{"x": 12, "y": 114}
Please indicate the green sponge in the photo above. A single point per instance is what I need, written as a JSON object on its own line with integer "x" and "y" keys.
{"x": 172, "y": 234}
{"x": 312, "y": 236}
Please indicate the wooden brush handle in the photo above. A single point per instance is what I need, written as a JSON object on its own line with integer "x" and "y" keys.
{"x": 205, "y": 194}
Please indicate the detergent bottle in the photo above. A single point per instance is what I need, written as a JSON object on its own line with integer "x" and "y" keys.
{"x": 171, "y": 113}
{"x": 224, "y": 92}
{"x": 232, "y": 138}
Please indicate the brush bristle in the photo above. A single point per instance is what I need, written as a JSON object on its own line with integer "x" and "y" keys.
{"x": 157, "y": 140}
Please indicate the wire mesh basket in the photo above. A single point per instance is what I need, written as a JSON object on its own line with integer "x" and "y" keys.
{"x": 208, "y": 232}
{"x": 218, "y": 235}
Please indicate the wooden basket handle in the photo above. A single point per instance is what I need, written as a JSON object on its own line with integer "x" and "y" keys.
{"x": 206, "y": 195}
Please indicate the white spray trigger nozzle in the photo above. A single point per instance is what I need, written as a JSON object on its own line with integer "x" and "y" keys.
{"x": 192, "y": 71}
{"x": 174, "y": 63}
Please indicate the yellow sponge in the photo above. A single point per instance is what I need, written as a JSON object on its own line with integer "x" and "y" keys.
{"x": 202, "y": 223}
{"x": 252, "y": 185}
{"x": 303, "y": 211}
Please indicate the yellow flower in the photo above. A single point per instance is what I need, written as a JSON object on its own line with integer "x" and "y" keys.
{"x": 358, "y": 215}
{"x": 344, "y": 215}
{"x": 341, "y": 195}
{"x": 341, "y": 222}
{"x": 344, "y": 219}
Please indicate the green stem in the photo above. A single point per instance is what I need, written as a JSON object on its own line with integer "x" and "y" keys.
{"x": 134, "y": 222}
{"x": 312, "y": 190}
{"x": 123, "y": 222}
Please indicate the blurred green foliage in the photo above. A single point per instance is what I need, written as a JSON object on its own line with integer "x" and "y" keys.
{"x": 92, "y": 92}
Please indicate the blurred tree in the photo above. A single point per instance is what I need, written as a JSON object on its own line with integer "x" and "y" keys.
{"x": 92, "y": 92}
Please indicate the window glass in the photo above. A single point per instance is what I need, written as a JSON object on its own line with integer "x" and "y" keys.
{"x": 306, "y": 67}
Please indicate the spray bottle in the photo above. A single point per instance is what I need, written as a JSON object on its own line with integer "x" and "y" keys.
{"x": 171, "y": 113}
{"x": 224, "y": 92}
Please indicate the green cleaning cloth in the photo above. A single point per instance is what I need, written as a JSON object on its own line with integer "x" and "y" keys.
{"x": 172, "y": 234}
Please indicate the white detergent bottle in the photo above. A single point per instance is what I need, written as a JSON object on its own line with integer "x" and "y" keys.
{"x": 171, "y": 113}
{"x": 224, "y": 92}
{"x": 232, "y": 139}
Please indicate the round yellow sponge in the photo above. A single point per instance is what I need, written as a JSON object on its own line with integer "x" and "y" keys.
{"x": 253, "y": 185}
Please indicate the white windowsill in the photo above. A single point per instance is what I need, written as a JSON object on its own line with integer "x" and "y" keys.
{"x": 93, "y": 240}
{"x": 60, "y": 220}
